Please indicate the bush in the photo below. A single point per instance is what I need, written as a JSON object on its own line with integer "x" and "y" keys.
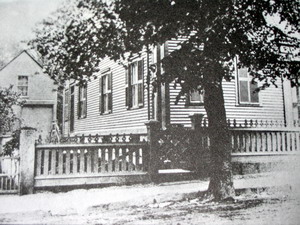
{"x": 12, "y": 145}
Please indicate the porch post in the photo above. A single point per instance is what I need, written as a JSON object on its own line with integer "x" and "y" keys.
{"x": 153, "y": 127}
{"x": 27, "y": 160}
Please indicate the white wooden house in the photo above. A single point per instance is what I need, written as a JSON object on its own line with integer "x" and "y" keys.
{"x": 121, "y": 99}
{"x": 25, "y": 73}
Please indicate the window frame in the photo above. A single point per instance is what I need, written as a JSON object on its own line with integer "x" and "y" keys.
{"x": 22, "y": 86}
{"x": 248, "y": 79}
{"x": 190, "y": 102}
{"x": 105, "y": 92}
{"x": 134, "y": 85}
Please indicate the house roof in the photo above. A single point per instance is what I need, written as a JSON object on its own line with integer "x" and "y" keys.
{"x": 26, "y": 52}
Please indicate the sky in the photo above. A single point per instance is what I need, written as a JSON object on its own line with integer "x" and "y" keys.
{"x": 18, "y": 18}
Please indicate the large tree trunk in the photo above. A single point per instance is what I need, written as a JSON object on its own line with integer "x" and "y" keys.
{"x": 221, "y": 181}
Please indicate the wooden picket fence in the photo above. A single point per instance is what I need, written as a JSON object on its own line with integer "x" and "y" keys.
{"x": 9, "y": 175}
{"x": 261, "y": 141}
{"x": 253, "y": 137}
{"x": 131, "y": 158}
{"x": 84, "y": 160}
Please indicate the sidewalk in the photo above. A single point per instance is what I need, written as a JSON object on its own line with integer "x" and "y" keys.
{"x": 78, "y": 201}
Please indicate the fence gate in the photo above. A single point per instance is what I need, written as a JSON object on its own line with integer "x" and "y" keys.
{"x": 9, "y": 175}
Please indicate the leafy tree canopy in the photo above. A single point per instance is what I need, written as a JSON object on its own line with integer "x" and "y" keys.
{"x": 8, "y": 99}
{"x": 80, "y": 34}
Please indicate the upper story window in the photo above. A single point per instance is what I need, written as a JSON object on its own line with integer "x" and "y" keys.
{"x": 246, "y": 89}
{"x": 105, "y": 92}
{"x": 82, "y": 101}
{"x": 195, "y": 98}
{"x": 134, "y": 84}
{"x": 23, "y": 85}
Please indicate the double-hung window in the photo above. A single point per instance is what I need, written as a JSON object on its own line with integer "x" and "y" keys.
{"x": 23, "y": 85}
{"x": 134, "y": 85}
{"x": 82, "y": 101}
{"x": 246, "y": 89}
{"x": 105, "y": 92}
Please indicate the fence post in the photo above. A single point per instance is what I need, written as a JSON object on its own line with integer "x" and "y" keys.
{"x": 27, "y": 160}
{"x": 196, "y": 120}
{"x": 153, "y": 128}
{"x": 200, "y": 155}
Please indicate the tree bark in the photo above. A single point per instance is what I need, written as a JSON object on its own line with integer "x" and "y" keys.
{"x": 221, "y": 180}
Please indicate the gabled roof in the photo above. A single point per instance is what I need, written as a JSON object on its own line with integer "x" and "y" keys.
{"x": 24, "y": 51}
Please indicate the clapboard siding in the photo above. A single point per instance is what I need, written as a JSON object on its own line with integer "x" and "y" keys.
{"x": 271, "y": 106}
{"x": 121, "y": 119}
{"x": 271, "y": 101}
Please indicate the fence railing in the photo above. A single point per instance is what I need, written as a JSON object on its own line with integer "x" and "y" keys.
{"x": 255, "y": 137}
{"x": 9, "y": 174}
{"x": 250, "y": 123}
{"x": 265, "y": 141}
{"x": 90, "y": 158}
{"x": 96, "y": 139}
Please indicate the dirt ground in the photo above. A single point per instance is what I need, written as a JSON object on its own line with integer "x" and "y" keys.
{"x": 167, "y": 203}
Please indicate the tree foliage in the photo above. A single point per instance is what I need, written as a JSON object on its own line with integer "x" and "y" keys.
{"x": 8, "y": 99}
{"x": 79, "y": 35}
{"x": 13, "y": 144}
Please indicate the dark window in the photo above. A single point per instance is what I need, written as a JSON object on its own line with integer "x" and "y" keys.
{"x": 247, "y": 89}
{"x": 105, "y": 93}
{"x": 82, "y": 102}
{"x": 134, "y": 85}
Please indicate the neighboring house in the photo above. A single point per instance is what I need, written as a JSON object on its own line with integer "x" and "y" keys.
{"x": 122, "y": 100}
{"x": 25, "y": 73}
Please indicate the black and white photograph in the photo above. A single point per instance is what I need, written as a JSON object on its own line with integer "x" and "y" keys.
{"x": 146, "y": 112}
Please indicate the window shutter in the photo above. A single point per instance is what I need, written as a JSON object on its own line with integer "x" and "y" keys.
{"x": 141, "y": 83}
{"x": 110, "y": 93}
{"x": 253, "y": 93}
{"x": 109, "y": 96}
{"x": 78, "y": 103}
{"x": 140, "y": 69}
{"x": 85, "y": 101}
{"x": 128, "y": 89}
{"x": 109, "y": 81}
{"x": 101, "y": 106}
{"x": 66, "y": 105}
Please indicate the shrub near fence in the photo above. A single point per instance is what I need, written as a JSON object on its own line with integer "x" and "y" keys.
{"x": 86, "y": 159}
